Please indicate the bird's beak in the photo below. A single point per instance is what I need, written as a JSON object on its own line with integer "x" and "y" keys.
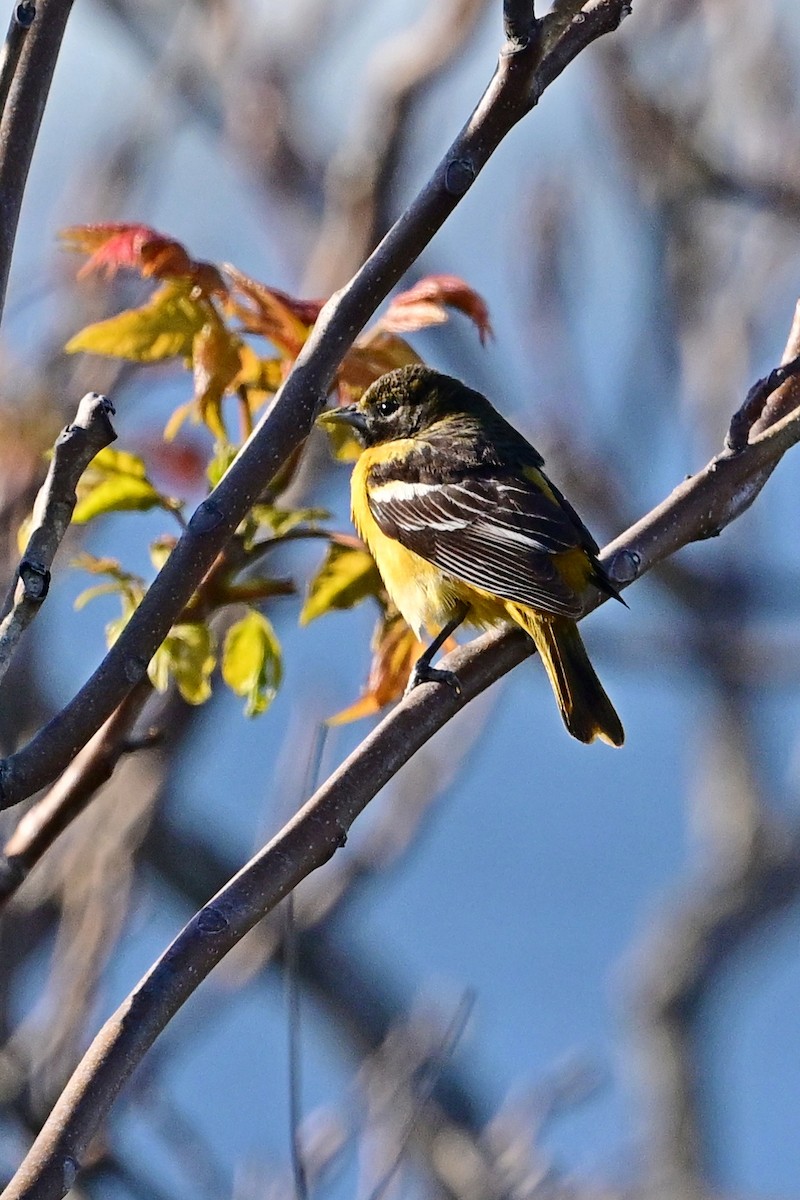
{"x": 350, "y": 415}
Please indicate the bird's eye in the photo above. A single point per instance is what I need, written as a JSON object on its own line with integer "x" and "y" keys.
{"x": 386, "y": 407}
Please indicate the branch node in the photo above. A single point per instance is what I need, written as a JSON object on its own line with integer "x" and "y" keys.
{"x": 35, "y": 579}
{"x": 211, "y": 921}
{"x": 206, "y": 517}
{"x": 135, "y": 668}
{"x": 519, "y": 20}
{"x": 459, "y": 176}
{"x": 745, "y": 418}
{"x": 25, "y": 14}
{"x": 624, "y": 566}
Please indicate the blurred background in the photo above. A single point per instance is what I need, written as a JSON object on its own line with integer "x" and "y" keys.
{"x": 537, "y": 969}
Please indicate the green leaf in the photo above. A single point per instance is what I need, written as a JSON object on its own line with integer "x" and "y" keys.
{"x": 116, "y": 481}
{"x": 251, "y": 662}
{"x": 161, "y": 549}
{"x": 346, "y": 577}
{"x": 187, "y": 655}
{"x": 224, "y": 454}
{"x": 101, "y": 589}
{"x": 165, "y": 327}
{"x": 121, "y": 493}
{"x": 109, "y": 461}
{"x": 281, "y": 521}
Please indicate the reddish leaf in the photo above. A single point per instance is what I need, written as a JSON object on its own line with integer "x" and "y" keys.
{"x": 427, "y": 302}
{"x": 114, "y": 247}
{"x": 283, "y": 319}
{"x": 180, "y": 464}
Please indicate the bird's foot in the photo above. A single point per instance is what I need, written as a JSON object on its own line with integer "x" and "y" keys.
{"x": 423, "y": 672}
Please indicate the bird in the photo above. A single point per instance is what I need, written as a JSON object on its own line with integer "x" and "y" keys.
{"x": 464, "y": 526}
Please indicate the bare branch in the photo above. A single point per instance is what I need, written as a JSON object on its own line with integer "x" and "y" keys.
{"x": 75, "y": 448}
{"x": 359, "y": 178}
{"x": 745, "y": 418}
{"x": 703, "y": 504}
{"x": 515, "y": 88}
{"x": 519, "y": 22}
{"x": 754, "y": 875}
{"x": 22, "y": 116}
{"x": 68, "y": 797}
{"x": 22, "y": 18}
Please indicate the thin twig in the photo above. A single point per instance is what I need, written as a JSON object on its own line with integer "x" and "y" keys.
{"x": 293, "y": 993}
{"x": 434, "y": 1067}
{"x": 360, "y": 177}
{"x": 75, "y": 448}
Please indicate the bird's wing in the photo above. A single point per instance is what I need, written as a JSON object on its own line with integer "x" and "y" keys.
{"x": 498, "y": 535}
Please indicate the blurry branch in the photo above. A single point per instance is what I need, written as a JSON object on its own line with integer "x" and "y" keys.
{"x": 700, "y": 507}
{"x": 94, "y": 763}
{"x": 210, "y": 79}
{"x": 753, "y": 873}
{"x": 675, "y": 158}
{"x": 400, "y": 1081}
{"x": 75, "y": 448}
{"x": 22, "y": 116}
{"x": 521, "y": 77}
{"x": 360, "y": 176}
{"x": 67, "y": 798}
{"x": 22, "y": 18}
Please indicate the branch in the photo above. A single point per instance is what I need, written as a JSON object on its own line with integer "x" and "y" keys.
{"x": 359, "y": 179}
{"x": 22, "y": 18}
{"x": 519, "y": 80}
{"x": 69, "y": 796}
{"x": 754, "y": 875}
{"x": 75, "y": 448}
{"x": 22, "y": 116}
{"x": 702, "y": 505}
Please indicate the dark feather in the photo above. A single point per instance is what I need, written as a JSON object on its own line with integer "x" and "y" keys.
{"x": 496, "y": 534}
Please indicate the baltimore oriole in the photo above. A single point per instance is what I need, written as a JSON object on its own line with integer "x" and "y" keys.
{"x": 463, "y": 524}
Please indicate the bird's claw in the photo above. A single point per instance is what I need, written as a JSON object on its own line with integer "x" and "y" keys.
{"x": 425, "y": 673}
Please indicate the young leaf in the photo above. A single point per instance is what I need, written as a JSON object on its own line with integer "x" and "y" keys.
{"x": 215, "y": 363}
{"x": 139, "y": 248}
{"x": 251, "y": 662}
{"x": 165, "y": 327}
{"x": 283, "y": 320}
{"x": 122, "y": 493}
{"x": 224, "y": 454}
{"x": 375, "y": 353}
{"x": 281, "y": 521}
{"x": 115, "y": 481}
{"x": 188, "y": 656}
{"x": 427, "y": 302}
{"x": 346, "y": 577}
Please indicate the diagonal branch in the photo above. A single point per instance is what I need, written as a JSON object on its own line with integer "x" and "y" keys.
{"x": 701, "y": 506}
{"x": 521, "y": 76}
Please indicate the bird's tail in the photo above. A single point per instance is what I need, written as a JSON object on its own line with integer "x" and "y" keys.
{"x": 587, "y": 711}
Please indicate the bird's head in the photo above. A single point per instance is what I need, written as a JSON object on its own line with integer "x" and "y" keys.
{"x": 401, "y": 404}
